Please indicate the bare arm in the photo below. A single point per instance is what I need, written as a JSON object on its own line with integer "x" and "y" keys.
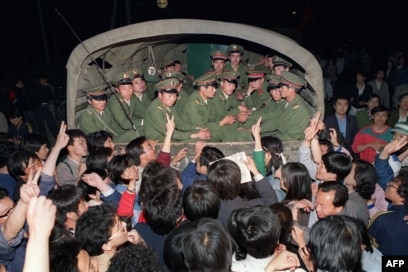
{"x": 60, "y": 143}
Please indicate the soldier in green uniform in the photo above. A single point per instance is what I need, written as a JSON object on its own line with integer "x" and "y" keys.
{"x": 161, "y": 109}
{"x": 294, "y": 117}
{"x": 94, "y": 117}
{"x": 182, "y": 94}
{"x": 280, "y": 64}
{"x": 265, "y": 65}
{"x": 235, "y": 53}
{"x": 187, "y": 79}
{"x": 218, "y": 60}
{"x": 122, "y": 106}
{"x": 139, "y": 89}
{"x": 256, "y": 95}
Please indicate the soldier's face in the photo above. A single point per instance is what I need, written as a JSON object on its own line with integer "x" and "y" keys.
{"x": 139, "y": 85}
{"x": 235, "y": 58}
{"x": 125, "y": 91}
{"x": 167, "y": 99}
{"x": 278, "y": 69}
{"x": 209, "y": 92}
{"x": 99, "y": 105}
{"x": 256, "y": 84}
{"x": 218, "y": 66}
{"x": 227, "y": 87}
{"x": 276, "y": 95}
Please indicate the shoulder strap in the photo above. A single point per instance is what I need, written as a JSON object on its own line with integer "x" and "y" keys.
{"x": 69, "y": 167}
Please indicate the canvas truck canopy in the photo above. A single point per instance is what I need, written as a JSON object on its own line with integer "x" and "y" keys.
{"x": 149, "y": 44}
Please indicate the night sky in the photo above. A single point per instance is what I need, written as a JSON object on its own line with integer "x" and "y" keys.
{"x": 25, "y": 48}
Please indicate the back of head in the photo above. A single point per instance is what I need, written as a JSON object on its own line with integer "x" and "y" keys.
{"x": 297, "y": 181}
{"x": 93, "y": 228}
{"x": 208, "y": 247}
{"x": 135, "y": 258}
{"x": 64, "y": 250}
{"x": 337, "y": 163}
{"x": 366, "y": 178}
{"x": 97, "y": 139}
{"x": 99, "y": 158}
{"x": 285, "y": 218}
{"x": 117, "y": 166}
{"x": 201, "y": 200}
{"x": 256, "y": 230}
{"x": 225, "y": 175}
{"x": 33, "y": 142}
{"x": 335, "y": 244}
{"x": 18, "y": 162}
{"x": 402, "y": 191}
{"x": 135, "y": 149}
{"x": 210, "y": 154}
{"x": 274, "y": 146}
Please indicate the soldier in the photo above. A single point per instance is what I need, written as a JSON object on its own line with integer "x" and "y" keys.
{"x": 122, "y": 106}
{"x": 256, "y": 94}
{"x": 218, "y": 60}
{"x": 235, "y": 53}
{"x": 294, "y": 117}
{"x": 265, "y": 65}
{"x": 94, "y": 117}
{"x": 280, "y": 64}
{"x": 182, "y": 94}
{"x": 161, "y": 109}
{"x": 139, "y": 89}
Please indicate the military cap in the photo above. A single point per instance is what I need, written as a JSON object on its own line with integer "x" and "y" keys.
{"x": 168, "y": 85}
{"x": 97, "y": 92}
{"x": 235, "y": 48}
{"x": 173, "y": 74}
{"x": 168, "y": 62}
{"x": 279, "y": 61}
{"x": 273, "y": 82}
{"x": 124, "y": 78}
{"x": 206, "y": 80}
{"x": 255, "y": 74}
{"x": 137, "y": 72}
{"x": 293, "y": 80}
{"x": 229, "y": 76}
{"x": 218, "y": 55}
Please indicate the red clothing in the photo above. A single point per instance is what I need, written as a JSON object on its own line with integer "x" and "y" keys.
{"x": 367, "y": 135}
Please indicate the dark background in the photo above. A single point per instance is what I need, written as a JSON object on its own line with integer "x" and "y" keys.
{"x": 30, "y": 45}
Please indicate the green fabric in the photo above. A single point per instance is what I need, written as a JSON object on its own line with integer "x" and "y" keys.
{"x": 259, "y": 159}
{"x": 90, "y": 120}
{"x": 243, "y": 77}
{"x": 258, "y": 97}
{"x": 220, "y": 106}
{"x": 362, "y": 119}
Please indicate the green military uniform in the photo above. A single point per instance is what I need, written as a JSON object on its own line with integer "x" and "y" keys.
{"x": 294, "y": 117}
{"x": 222, "y": 105}
{"x": 242, "y": 68}
{"x": 260, "y": 96}
{"x": 142, "y": 103}
{"x": 182, "y": 95}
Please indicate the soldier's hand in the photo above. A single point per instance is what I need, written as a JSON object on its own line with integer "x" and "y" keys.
{"x": 227, "y": 120}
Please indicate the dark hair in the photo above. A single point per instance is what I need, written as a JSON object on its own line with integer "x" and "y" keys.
{"x": 99, "y": 158}
{"x": 97, "y": 139}
{"x": 88, "y": 189}
{"x": 67, "y": 199}
{"x": 373, "y": 95}
{"x": 201, "y": 200}
{"x": 7, "y": 149}
{"x": 172, "y": 251}
{"x": 15, "y": 112}
{"x": 33, "y": 142}
{"x": 403, "y": 186}
{"x": 74, "y": 134}
{"x": 365, "y": 235}
{"x": 163, "y": 210}
{"x": 297, "y": 180}
{"x": 337, "y": 163}
{"x": 274, "y": 146}
{"x": 135, "y": 149}
{"x": 285, "y": 218}
{"x": 379, "y": 108}
{"x": 365, "y": 177}
{"x": 335, "y": 244}
{"x": 94, "y": 227}
{"x": 3, "y": 193}
{"x": 225, "y": 175}
{"x": 117, "y": 166}
{"x": 18, "y": 162}
{"x": 64, "y": 250}
{"x": 210, "y": 154}
{"x": 256, "y": 230}
{"x": 402, "y": 96}
{"x": 135, "y": 258}
{"x": 248, "y": 191}
{"x": 341, "y": 96}
{"x": 327, "y": 143}
{"x": 208, "y": 247}
{"x": 340, "y": 192}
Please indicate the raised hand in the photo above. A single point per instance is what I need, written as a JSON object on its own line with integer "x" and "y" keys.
{"x": 62, "y": 138}
{"x": 170, "y": 124}
{"x": 30, "y": 189}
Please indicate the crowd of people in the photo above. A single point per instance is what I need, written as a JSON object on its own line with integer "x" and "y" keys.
{"x": 80, "y": 203}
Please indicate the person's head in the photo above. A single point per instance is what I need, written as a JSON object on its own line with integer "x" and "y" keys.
{"x": 172, "y": 251}
{"x": 98, "y": 139}
{"x": 16, "y": 116}
{"x": 325, "y": 146}
{"x": 178, "y": 66}
{"x": 235, "y": 53}
{"x": 201, "y": 200}
{"x": 124, "y": 85}
{"x": 138, "y": 82}
{"x": 122, "y": 169}
{"x": 20, "y": 164}
{"x": 218, "y": 60}
{"x": 295, "y": 180}
{"x": 70, "y": 202}
{"x": 36, "y": 143}
{"x": 362, "y": 179}
{"x": 77, "y": 145}
{"x": 7, "y": 149}
{"x": 100, "y": 230}
{"x": 163, "y": 210}
{"x": 135, "y": 258}
{"x": 331, "y": 197}
{"x": 255, "y": 79}
{"x": 390, "y": 64}
{"x": 228, "y": 82}
{"x": 290, "y": 85}
{"x": 225, "y": 175}
{"x": 280, "y": 65}
{"x": 373, "y": 100}
{"x": 208, "y": 247}
{"x": 98, "y": 160}
{"x": 273, "y": 87}
{"x": 400, "y": 130}
{"x": 380, "y": 115}
{"x": 397, "y": 190}
{"x": 256, "y": 230}
{"x": 380, "y": 74}
{"x": 141, "y": 151}
{"x": 401, "y": 60}
{"x": 97, "y": 98}
{"x": 335, "y": 244}
{"x": 273, "y": 148}
{"x": 88, "y": 189}
{"x": 285, "y": 218}
{"x": 341, "y": 104}
{"x": 167, "y": 91}
{"x": 208, "y": 155}
{"x": 333, "y": 166}
{"x": 168, "y": 65}
{"x": 207, "y": 85}
{"x": 365, "y": 235}
{"x": 361, "y": 76}
{"x": 6, "y": 205}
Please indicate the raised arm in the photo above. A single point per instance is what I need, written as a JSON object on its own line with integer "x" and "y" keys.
{"x": 60, "y": 143}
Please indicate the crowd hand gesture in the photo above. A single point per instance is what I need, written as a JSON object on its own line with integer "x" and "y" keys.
{"x": 62, "y": 138}
{"x": 198, "y": 148}
{"x": 41, "y": 214}
{"x": 92, "y": 179}
{"x": 179, "y": 156}
{"x": 314, "y": 126}
{"x": 256, "y": 129}
{"x": 227, "y": 120}
{"x": 30, "y": 189}
{"x": 376, "y": 145}
{"x": 170, "y": 124}
{"x": 333, "y": 137}
{"x": 250, "y": 164}
{"x": 304, "y": 204}
{"x": 393, "y": 146}
{"x": 282, "y": 261}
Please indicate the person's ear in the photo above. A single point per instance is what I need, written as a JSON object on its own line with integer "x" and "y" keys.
{"x": 107, "y": 246}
